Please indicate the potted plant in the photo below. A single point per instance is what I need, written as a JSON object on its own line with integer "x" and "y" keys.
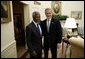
{"x": 60, "y": 17}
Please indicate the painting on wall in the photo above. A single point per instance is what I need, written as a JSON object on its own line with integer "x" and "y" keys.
{"x": 5, "y": 12}
{"x": 76, "y": 14}
{"x": 56, "y": 7}
{"x": 37, "y": 3}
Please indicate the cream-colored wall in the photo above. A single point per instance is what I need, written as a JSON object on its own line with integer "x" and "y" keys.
{"x": 26, "y": 15}
{"x": 7, "y": 36}
{"x": 68, "y": 6}
{"x": 40, "y": 8}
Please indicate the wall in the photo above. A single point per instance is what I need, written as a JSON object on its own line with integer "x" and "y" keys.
{"x": 41, "y": 8}
{"x": 8, "y": 39}
{"x": 68, "y": 6}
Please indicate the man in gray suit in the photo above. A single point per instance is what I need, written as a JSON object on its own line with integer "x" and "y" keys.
{"x": 34, "y": 36}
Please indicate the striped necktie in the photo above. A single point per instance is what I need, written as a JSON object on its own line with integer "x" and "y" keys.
{"x": 38, "y": 28}
{"x": 48, "y": 25}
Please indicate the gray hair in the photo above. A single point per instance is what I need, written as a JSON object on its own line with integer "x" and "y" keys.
{"x": 35, "y": 13}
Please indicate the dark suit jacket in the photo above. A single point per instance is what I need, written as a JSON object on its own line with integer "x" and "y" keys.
{"x": 54, "y": 35}
{"x": 33, "y": 38}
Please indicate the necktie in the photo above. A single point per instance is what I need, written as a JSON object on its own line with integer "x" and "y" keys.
{"x": 48, "y": 25}
{"x": 38, "y": 28}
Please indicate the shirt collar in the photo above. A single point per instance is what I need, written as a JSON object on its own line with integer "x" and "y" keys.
{"x": 49, "y": 19}
{"x": 35, "y": 23}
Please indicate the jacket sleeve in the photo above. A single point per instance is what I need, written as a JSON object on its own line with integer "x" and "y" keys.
{"x": 59, "y": 32}
{"x": 28, "y": 38}
{"x": 41, "y": 24}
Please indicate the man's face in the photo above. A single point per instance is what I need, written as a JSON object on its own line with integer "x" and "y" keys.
{"x": 48, "y": 14}
{"x": 37, "y": 18}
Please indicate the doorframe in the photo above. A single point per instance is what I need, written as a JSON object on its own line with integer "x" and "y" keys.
{"x": 26, "y": 19}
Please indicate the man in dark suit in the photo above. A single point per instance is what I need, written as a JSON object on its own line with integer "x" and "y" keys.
{"x": 34, "y": 36}
{"x": 52, "y": 32}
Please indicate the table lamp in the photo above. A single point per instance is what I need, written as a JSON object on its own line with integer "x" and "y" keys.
{"x": 71, "y": 27}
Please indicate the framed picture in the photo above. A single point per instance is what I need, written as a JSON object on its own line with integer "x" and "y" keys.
{"x": 5, "y": 12}
{"x": 76, "y": 14}
{"x": 37, "y": 3}
{"x": 56, "y": 7}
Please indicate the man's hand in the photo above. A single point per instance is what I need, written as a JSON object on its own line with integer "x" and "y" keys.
{"x": 59, "y": 45}
{"x": 34, "y": 53}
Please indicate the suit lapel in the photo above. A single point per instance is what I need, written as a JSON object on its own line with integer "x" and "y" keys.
{"x": 51, "y": 25}
{"x": 46, "y": 25}
{"x": 34, "y": 29}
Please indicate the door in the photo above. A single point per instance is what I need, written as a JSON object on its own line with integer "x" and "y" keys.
{"x": 19, "y": 28}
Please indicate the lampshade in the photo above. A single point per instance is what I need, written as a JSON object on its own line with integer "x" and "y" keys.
{"x": 70, "y": 23}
